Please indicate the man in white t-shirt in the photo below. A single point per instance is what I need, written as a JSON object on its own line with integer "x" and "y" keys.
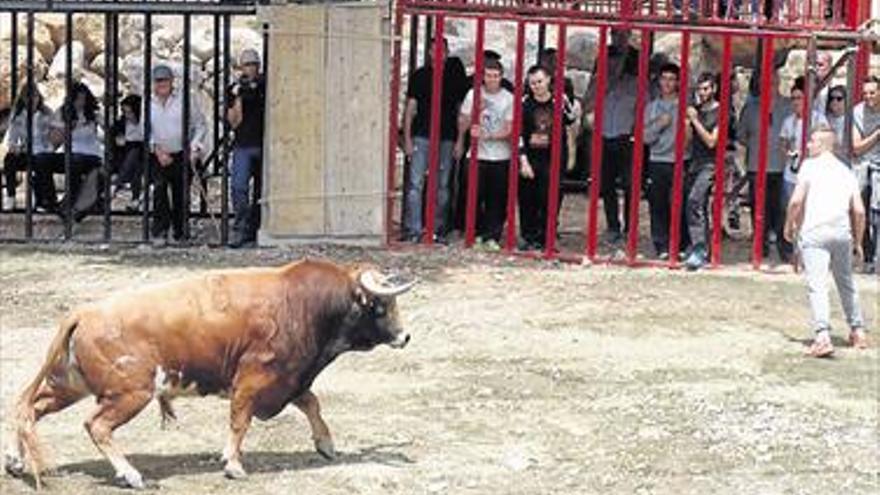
{"x": 493, "y": 149}
{"x": 827, "y": 218}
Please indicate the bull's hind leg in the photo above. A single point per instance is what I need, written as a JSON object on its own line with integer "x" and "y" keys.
{"x": 113, "y": 412}
{"x": 53, "y": 395}
{"x": 309, "y": 405}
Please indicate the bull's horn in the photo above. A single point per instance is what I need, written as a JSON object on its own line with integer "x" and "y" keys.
{"x": 379, "y": 285}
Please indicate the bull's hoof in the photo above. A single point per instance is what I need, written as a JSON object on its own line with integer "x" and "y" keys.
{"x": 234, "y": 471}
{"x": 325, "y": 447}
{"x": 13, "y": 465}
{"x": 131, "y": 479}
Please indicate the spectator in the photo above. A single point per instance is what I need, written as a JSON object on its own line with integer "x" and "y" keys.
{"x": 166, "y": 146}
{"x": 80, "y": 113}
{"x": 826, "y": 217}
{"x": 416, "y": 141}
{"x": 16, "y": 142}
{"x": 748, "y": 135}
{"x": 790, "y": 143}
{"x": 459, "y": 201}
{"x": 703, "y": 125}
{"x": 866, "y": 148}
{"x": 128, "y": 136}
{"x": 822, "y": 81}
{"x": 617, "y": 129}
{"x": 835, "y": 113}
{"x": 535, "y": 163}
{"x": 661, "y": 116}
{"x": 246, "y": 115}
{"x": 493, "y": 150}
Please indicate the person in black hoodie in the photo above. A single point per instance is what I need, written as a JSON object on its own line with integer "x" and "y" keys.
{"x": 128, "y": 136}
{"x": 535, "y": 162}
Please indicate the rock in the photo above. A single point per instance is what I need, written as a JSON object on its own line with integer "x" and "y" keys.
{"x": 6, "y": 72}
{"x": 88, "y": 29}
{"x": 43, "y": 42}
{"x": 59, "y": 61}
{"x": 581, "y": 49}
{"x": 131, "y": 34}
{"x": 166, "y": 42}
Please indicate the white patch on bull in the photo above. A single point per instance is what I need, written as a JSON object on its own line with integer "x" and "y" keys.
{"x": 121, "y": 361}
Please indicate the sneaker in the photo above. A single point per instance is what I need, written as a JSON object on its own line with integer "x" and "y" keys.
{"x": 663, "y": 256}
{"x": 491, "y": 245}
{"x": 159, "y": 241}
{"x": 821, "y": 346}
{"x": 697, "y": 259}
{"x": 869, "y": 268}
{"x": 8, "y": 202}
{"x": 858, "y": 339}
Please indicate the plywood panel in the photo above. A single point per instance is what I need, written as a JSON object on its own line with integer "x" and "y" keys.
{"x": 296, "y": 93}
{"x": 356, "y": 120}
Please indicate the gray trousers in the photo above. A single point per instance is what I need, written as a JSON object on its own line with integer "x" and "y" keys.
{"x": 817, "y": 256}
{"x": 697, "y": 207}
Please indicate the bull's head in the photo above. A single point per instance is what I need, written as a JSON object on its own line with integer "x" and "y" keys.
{"x": 376, "y": 312}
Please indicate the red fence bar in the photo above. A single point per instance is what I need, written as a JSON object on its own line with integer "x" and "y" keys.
{"x": 632, "y": 242}
{"x": 513, "y": 172}
{"x": 392, "y": 125}
{"x": 556, "y": 144}
{"x": 434, "y": 134}
{"x": 596, "y": 144}
{"x": 721, "y": 152}
{"x": 763, "y": 152}
{"x": 473, "y": 165}
{"x": 680, "y": 143}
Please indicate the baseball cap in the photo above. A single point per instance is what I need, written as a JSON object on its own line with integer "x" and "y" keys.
{"x": 162, "y": 71}
{"x": 249, "y": 56}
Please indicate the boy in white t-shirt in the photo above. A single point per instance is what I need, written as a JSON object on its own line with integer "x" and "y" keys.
{"x": 826, "y": 217}
{"x": 493, "y": 149}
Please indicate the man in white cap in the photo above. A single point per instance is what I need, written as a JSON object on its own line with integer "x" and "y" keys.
{"x": 827, "y": 219}
{"x": 167, "y": 143}
{"x": 246, "y": 114}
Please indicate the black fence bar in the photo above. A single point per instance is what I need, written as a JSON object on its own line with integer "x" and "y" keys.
{"x": 185, "y": 121}
{"x": 147, "y": 117}
{"x": 241, "y": 7}
{"x": 31, "y": 91}
{"x": 67, "y": 115}
{"x": 217, "y": 109}
{"x": 224, "y": 167}
{"x": 13, "y": 57}
{"x": 109, "y": 98}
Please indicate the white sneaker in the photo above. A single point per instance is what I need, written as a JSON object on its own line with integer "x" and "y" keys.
{"x": 8, "y": 202}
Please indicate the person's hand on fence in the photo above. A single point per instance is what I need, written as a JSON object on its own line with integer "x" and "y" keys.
{"x": 525, "y": 169}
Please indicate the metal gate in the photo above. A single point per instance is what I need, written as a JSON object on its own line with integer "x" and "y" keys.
{"x": 810, "y": 24}
{"x": 205, "y": 182}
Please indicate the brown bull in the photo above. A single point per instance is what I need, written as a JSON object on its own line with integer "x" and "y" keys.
{"x": 260, "y": 336}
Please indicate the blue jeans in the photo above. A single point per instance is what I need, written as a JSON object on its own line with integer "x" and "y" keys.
{"x": 416, "y": 184}
{"x": 246, "y": 163}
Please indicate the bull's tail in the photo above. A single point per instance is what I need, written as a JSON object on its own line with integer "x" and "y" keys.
{"x": 28, "y": 444}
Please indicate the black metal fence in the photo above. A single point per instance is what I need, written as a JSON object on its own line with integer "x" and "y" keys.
{"x": 206, "y": 215}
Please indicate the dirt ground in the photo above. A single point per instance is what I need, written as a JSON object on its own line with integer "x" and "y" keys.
{"x": 523, "y": 377}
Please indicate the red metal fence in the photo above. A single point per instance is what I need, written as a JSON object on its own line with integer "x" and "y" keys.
{"x": 805, "y": 21}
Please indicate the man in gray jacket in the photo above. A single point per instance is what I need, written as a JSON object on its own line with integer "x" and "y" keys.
{"x": 661, "y": 116}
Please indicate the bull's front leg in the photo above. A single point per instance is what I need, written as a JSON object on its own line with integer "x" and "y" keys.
{"x": 309, "y": 405}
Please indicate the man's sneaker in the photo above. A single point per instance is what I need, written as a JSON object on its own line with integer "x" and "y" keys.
{"x": 858, "y": 339}
{"x": 159, "y": 241}
{"x": 663, "y": 256}
{"x": 821, "y": 346}
{"x": 491, "y": 245}
{"x": 697, "y": 259}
